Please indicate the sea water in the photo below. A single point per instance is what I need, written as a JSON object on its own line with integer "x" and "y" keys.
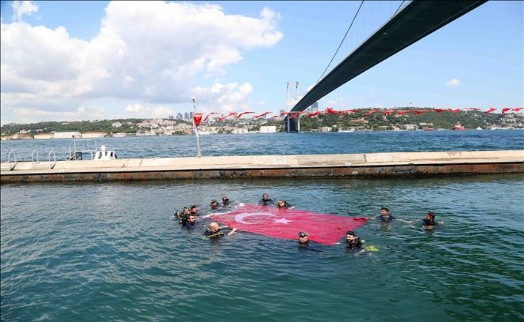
{"x": 112, "y": 251}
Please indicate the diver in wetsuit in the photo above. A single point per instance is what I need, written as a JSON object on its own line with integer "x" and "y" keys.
{"x": 283, "y": 204}
{"x": 265, "y": 200}
{"x": 429, "y": 221}
{"x": 303, "y": 239}
{"x": 225, "y": 201}
{"x": 353, "y": 242}
{"x": 385, "y": 215}
{"x": 214, "y": 204}
{"x": 188, "y": 221}
{"x": 215, "y": 231}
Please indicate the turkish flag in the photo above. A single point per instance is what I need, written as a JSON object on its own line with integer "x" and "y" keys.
{"x": 287, "y": 223}
{"x": 197, "y": 117}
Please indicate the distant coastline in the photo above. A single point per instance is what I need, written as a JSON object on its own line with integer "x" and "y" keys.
{"x": 364, "y": 120}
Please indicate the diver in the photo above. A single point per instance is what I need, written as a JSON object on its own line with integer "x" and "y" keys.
{"x": 385, "y": 215}
{"x": 215, "y": 231}
{"x": 265, "y": 200}
{"x": 303, "y": 239}
{"x": 429, "y": 221}
{"x": 353, "y": 242}
{"x": 193, "y": 210}
{"x": 225, "y": 201}
{"x": 214, "y": 204}
{"x": 188, "y": 221}
{"x": 283, "y": 204}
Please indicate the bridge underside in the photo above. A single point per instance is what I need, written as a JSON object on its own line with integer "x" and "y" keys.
{"x": 417, "y": 20}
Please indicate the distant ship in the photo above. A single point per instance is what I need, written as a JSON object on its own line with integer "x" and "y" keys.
{"x": 458, "y": 127}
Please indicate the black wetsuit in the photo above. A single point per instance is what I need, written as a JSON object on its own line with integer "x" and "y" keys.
{"x": 387, "y": 218}
{"x": 428, "y": 223}
{"x": 265, "y": 202}
{"x": 209, "y": 234}
{"x": 355, "y": 244}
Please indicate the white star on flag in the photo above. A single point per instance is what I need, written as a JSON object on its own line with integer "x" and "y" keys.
{"x": 281, "y": 221}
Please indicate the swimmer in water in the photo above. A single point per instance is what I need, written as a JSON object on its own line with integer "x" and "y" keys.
{"x": 283, "y": 204}
{"x": 429, "y": 222}
{"x": 353, "y": 242}
{"x": 303, "y": 239}
{"x": 215, "y": 231}
{"x": 193, "y": 210}
{"x": 385, "y": 215}
{"x": 225, "y": 201}
{"x": 214, "y": 204}
{"x": 188, "y": 221}
{"x": 265, "y": 200}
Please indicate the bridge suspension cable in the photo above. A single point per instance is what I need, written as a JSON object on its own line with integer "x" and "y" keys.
{"x": 342, "y": 41}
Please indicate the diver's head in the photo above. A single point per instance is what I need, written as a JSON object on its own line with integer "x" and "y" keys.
{"x": 384, "y": 211}
{"x": 191, "y": 219}
{"x": 225, "y": 200}
{"x": 214, "y": 227}
{"x": 303, "y": 237}
{"x": 281, "y": 204}
{"x": 430, "y": 215}
{"x": 265, "y": 196}
{"x": 351, "y": 235}
{"x": 214, "y": 204}
{"x": 193, "y": 209}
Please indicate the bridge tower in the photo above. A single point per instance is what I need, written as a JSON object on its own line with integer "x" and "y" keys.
{"x": 292, "y": 124}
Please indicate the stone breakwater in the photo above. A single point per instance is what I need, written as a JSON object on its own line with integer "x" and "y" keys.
{"x": 394, "y": 164}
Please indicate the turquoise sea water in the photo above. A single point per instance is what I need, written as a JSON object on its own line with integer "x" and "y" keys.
{"x": 111, "y": 251}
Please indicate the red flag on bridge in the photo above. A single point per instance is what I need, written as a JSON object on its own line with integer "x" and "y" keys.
{"x": 287, "y": 223}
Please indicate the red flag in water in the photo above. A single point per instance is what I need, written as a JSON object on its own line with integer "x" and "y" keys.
{"x": 439, "y": 110}
{"x": 287, "y": 223}
{"x": 505, "y": 109}
{"x": 491, "y": 109}
{"x": 387, "y": 112}
{"x": 197, "y": 117}
{"x": 516, "y": 109}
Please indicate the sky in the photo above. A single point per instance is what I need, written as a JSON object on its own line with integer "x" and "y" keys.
{"x": 94, "y": 60}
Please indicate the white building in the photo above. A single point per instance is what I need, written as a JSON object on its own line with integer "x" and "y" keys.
{"x": 67, "y": 135}
{"x": 268, "y": 129}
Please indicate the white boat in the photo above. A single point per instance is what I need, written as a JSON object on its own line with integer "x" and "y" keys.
{"x": 105, "y": 154}
{"x": 88, "y": 150}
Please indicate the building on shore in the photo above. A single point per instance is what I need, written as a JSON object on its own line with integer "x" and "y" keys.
{"x": 44, "y": 136}
{"x": 67, "y": 135}
{"x": 268, "y": 129}
{"x": 92, "y": 135}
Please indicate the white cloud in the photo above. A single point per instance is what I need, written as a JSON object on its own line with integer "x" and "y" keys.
{"x": 140, "y": 111}
{"x": 453, "y": 83}
{"x": 21, "y": 8}
{"x": 30, "y": 114}
{"x": 146, "y": 52}
{"x": 224, "y": 97}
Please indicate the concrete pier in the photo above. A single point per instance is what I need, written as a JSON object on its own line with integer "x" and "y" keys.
{"x": 395, "y": 164}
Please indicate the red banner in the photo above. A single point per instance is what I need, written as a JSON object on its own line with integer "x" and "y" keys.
{"x": 287, "y": 223}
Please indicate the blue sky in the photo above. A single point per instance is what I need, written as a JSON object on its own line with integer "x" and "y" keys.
{"x": 101, "y": 60}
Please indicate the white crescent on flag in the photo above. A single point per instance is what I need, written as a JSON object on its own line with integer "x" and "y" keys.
{"x": 240, "y": 217}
